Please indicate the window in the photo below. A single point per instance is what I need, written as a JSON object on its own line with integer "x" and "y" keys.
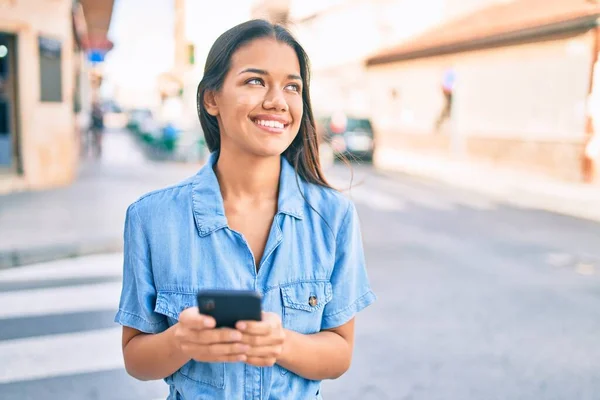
{"x": 50, "y": 69}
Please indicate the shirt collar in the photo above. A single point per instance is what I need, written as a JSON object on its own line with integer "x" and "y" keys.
{"x": 207, "y": 201}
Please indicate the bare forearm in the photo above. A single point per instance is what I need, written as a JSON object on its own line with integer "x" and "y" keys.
{"x": 323, "y": 355}
{"x": 151, "y": 357}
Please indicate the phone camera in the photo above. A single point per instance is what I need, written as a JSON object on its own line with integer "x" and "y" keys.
{"x": 208, "y": 305}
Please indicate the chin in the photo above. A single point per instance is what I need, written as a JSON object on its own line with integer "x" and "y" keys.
{"x": 270, "y": 152}
{"x": 271, "y": 149}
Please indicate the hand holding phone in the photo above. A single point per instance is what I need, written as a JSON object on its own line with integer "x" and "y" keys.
{"x": 265, "y": 338}
{"x": 196, "y": 337}
{"x": 262, "y": 331}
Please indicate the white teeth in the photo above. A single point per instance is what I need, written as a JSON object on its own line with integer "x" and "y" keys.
{"x": 271, "y": 124}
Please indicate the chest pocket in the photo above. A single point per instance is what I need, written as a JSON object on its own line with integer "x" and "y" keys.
{"x": 172, "y": 304}
{"x": 303, "y": 304}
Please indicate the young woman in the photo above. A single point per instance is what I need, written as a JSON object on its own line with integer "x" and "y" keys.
{"x": 259, "y": 216}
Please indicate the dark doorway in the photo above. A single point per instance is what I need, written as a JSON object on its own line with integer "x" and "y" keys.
{"x": 9, "y": 155}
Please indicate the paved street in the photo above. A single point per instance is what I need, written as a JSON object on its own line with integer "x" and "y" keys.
{"x": 476, "y": 301}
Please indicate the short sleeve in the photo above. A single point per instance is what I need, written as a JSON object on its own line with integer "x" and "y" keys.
{"x": 351, "y": 290}
{"x": 138, "y": 295}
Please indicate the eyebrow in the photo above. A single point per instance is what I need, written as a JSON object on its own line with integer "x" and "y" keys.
{"x": 263, "y": 72}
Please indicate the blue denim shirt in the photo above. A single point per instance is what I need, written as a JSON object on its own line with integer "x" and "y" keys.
{"x": 177, "y": 242}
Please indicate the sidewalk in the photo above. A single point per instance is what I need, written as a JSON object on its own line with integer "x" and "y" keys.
{"x": 86, "y": 217}
{"x": 509, "y": 186}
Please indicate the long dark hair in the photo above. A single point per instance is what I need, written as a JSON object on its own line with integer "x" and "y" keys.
{"x": 303, "y": 152}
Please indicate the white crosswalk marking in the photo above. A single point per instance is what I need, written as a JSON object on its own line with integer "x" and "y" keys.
{"x": 425, "y": 197}
{"x": 58, "y": 332}
{"x": 101, "y": 265}
{"x": 102, "y": 296}
{"x": 367, "y": 194}
{"x": 56, "y": 355}
{"x": 376, "y": 200}
{"x": 372, "y": 198}
{"x": 384, "y": 194}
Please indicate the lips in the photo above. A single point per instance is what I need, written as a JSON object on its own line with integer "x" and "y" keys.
{"x": 268, "y": 118}
{"x": 271, "y": 123}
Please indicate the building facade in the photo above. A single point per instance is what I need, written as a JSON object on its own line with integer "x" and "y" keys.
{"x": 43, "y": 80}
{"x": 339, "y": 35}
{"x": 520, "y": 78}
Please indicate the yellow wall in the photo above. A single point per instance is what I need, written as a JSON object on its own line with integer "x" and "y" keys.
{"x": 48, "y": 144}
{"x": 521, "y": 106}
{"x": 533, "y": 91}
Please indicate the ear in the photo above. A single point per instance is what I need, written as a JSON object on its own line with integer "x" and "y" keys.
{"x": 210, "y": 103}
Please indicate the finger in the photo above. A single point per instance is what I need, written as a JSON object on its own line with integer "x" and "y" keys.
{"x": 227, "y": 349}
{"x": 215, "y": 351}
{"x": 264, "y": 351}
{"x": 260, "y": 328}
{"x": 259, "y": 341}
{"x": 214, "y": 336}
{"x": 261, "y": 361}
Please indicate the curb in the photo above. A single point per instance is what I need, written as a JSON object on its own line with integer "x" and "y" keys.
{"x": 33, "y": 255}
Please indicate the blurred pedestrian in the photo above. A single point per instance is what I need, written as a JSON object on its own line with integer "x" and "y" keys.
{"x": 258, "y": 216}
{"x": 97, "y": 128}
{"x": 447, "y": 91}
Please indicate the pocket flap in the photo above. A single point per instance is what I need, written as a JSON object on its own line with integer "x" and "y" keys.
{"x": 172, "y": 304}
{"x": 308, "y": 296}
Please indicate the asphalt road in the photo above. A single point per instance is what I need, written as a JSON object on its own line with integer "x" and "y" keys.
{"x": 476, "y": 300}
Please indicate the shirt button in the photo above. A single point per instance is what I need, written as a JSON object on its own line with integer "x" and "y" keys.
{"x": 313, "y": 301}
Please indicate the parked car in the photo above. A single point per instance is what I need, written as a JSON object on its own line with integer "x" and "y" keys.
{"x": 350, "y": 137}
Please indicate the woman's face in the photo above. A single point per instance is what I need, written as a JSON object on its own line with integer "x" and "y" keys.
{"x": 259, "y": 107}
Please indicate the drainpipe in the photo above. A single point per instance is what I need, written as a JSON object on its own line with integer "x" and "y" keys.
{"x": 591, "y": 157}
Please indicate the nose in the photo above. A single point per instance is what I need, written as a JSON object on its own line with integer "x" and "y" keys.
{"x": 275, "y": 100}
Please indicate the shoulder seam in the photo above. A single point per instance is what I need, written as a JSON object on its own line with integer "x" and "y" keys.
{"x": 159, "y": 191}
{"x": 344, "y": 218}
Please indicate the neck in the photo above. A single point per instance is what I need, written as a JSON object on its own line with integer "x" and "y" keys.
{"x": 248, "y": 177}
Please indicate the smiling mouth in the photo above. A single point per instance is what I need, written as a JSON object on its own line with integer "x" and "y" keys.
{"x": 270, "y": 124}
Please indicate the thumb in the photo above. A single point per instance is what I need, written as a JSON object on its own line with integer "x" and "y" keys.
{"x": 191, "y": 318}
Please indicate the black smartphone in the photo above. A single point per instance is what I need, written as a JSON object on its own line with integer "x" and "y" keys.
{"x": 228, "y": 307}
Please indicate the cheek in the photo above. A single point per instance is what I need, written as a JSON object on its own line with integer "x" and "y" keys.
{"x": 296, "y": 110}
{"x": 243, "y": 105}
{"x": 236, "y": 109}
{"x": 245, "y": 100}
